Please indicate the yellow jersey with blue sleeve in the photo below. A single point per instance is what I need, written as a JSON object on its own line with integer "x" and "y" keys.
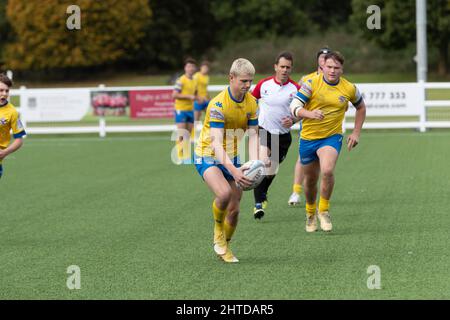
{"x": 225, "y": 112}
{"x": 184, "y": 85}
{"x": 332, "y": 99}
{"x": 9, "y": 121}
{"x": 202, "y": 84}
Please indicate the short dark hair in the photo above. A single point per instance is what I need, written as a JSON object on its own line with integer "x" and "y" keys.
{"x": 285, "y": 54}
{"x": 336, "y": 56}
{"x": 190, "y": 60}
{"x": 324, "y": 50}
{"x": 205, "y": 63}
{"x": 6, "y": 80}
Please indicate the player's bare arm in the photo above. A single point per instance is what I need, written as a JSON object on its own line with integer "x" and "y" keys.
{"x": 177, "y": 95}
{"x": 360, "y": 116}
{"x": 299, "y": 112}
{"x": 14, "y": 146}
{"x": 253, "y": 142}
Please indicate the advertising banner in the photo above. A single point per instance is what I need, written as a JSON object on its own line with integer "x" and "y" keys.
{"x": 151, "y": 103}
{"x": 55, "y": 105}
{"x": 391, "y": 99}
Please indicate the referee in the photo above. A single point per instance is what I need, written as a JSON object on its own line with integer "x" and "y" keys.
{"x": 274, "y": 95}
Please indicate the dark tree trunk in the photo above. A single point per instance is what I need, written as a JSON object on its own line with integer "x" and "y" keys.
{"x": 443, "y": 56}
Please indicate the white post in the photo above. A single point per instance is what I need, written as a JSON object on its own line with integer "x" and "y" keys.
{"x": 23, "y": 101}
{"x": 421, "y": 41}
{"x": 423, "y": 108}
{"x": 9, "y": 74}
{"x": 102, "y": 120}
{"x": 102, "y": 127}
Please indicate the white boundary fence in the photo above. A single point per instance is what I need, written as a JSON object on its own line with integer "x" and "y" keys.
{"x": 380, "y": 98}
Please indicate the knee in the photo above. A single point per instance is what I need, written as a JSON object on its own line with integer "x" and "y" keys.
{"x": 328, "y": 174}
{"x": 223, "y": 197}
{"x": 310, "y": 180}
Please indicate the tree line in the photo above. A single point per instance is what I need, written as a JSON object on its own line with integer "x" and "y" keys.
{"x": 158, "y": 34}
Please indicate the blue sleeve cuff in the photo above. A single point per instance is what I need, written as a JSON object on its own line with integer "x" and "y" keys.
{"x": 219, "y": 125}
{"x": 19, "y": 135}
{"x": 253, "y": 122}
{"x": 302, "y": 97}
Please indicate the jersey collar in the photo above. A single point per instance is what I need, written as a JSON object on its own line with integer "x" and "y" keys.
{"x": 330, "y": 84}
{"x": 5, "y": 104}
{"x": 279, "y": 83}
{"x": 232, "y": 98}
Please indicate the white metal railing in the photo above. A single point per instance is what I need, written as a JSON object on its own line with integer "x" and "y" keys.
{"x": 102, "y": 128}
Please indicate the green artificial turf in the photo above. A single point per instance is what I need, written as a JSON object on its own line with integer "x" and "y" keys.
{"x": 140, "y": 227}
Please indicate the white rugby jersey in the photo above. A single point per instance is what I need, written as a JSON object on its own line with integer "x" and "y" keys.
{"x": 274, "y": 100}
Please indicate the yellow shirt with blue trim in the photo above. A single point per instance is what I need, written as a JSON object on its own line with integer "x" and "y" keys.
{"x": 332, "y": 99}
{"x": 202, "y": 84}
{"x": 184, "y": 85}
{"x": 9, "y": 120}
{"x": 308, "y": 76}
{"x": 225, "y": 112}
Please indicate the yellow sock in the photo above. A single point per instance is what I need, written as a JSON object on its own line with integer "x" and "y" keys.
{"x": 297, "y": 188}
{"x": 193, "y": 134}
{"x": 186, "y": 149}
{"x": 310, "y": 209}
{"x": 179, "y": 149}
{"x": 324, "y": 204}
{"x": 229, "y": 230}
{"x": 219, "y": 216}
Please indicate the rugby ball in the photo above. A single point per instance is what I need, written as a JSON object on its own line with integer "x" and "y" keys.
{"x": 255, "y": 172}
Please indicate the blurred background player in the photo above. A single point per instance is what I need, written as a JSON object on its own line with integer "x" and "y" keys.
{"x": 295, "y": 197}
{"x": 321, "y": 102}
{"x": 274, "y": 96}
{"x": 184, "y": 94}
{"x": 202, "y": 79}
{"x": 216, "y": 154}
{"x": 9, "y": 120}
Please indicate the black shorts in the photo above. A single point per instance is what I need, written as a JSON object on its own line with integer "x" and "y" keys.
{"x": 283, "y": 143}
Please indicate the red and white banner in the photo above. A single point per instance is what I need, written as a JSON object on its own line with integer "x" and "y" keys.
{"x": 151, "y": 103}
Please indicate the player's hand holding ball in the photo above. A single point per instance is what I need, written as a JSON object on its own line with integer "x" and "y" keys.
{"x": 250, "y": 175}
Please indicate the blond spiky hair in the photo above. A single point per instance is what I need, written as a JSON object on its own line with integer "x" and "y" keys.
{"x": 242, "y": 67}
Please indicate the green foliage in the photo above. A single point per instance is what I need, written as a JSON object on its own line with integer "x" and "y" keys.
{"x": 398, "y": 25}
{"x": 178, "y": 29}
{"x": 44, "y": 42}
{"x": 361, "y": 56}
{"x": 242, "y": 20}
{"x": 4, "y": 27}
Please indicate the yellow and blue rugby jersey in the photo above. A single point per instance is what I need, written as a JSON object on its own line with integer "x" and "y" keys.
{"x": 332, "y": 100}
{"x": 202, "y": 84}
{"x": 224, "y": 111}
{"x": 184, "y": 85}
{"x": 9, "y": 120}
{"x": 308, "y": 76}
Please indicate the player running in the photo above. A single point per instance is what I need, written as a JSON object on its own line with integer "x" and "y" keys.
{"x": 274, "y": 96}
{"x": 202, "y": 79}
{"x": 321, "y": 103}
{"x": 294, "y": 199}
{"x": 9, "y": 120}
{"x": 228, "y": 116}
{"x": 184, "y": 94}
